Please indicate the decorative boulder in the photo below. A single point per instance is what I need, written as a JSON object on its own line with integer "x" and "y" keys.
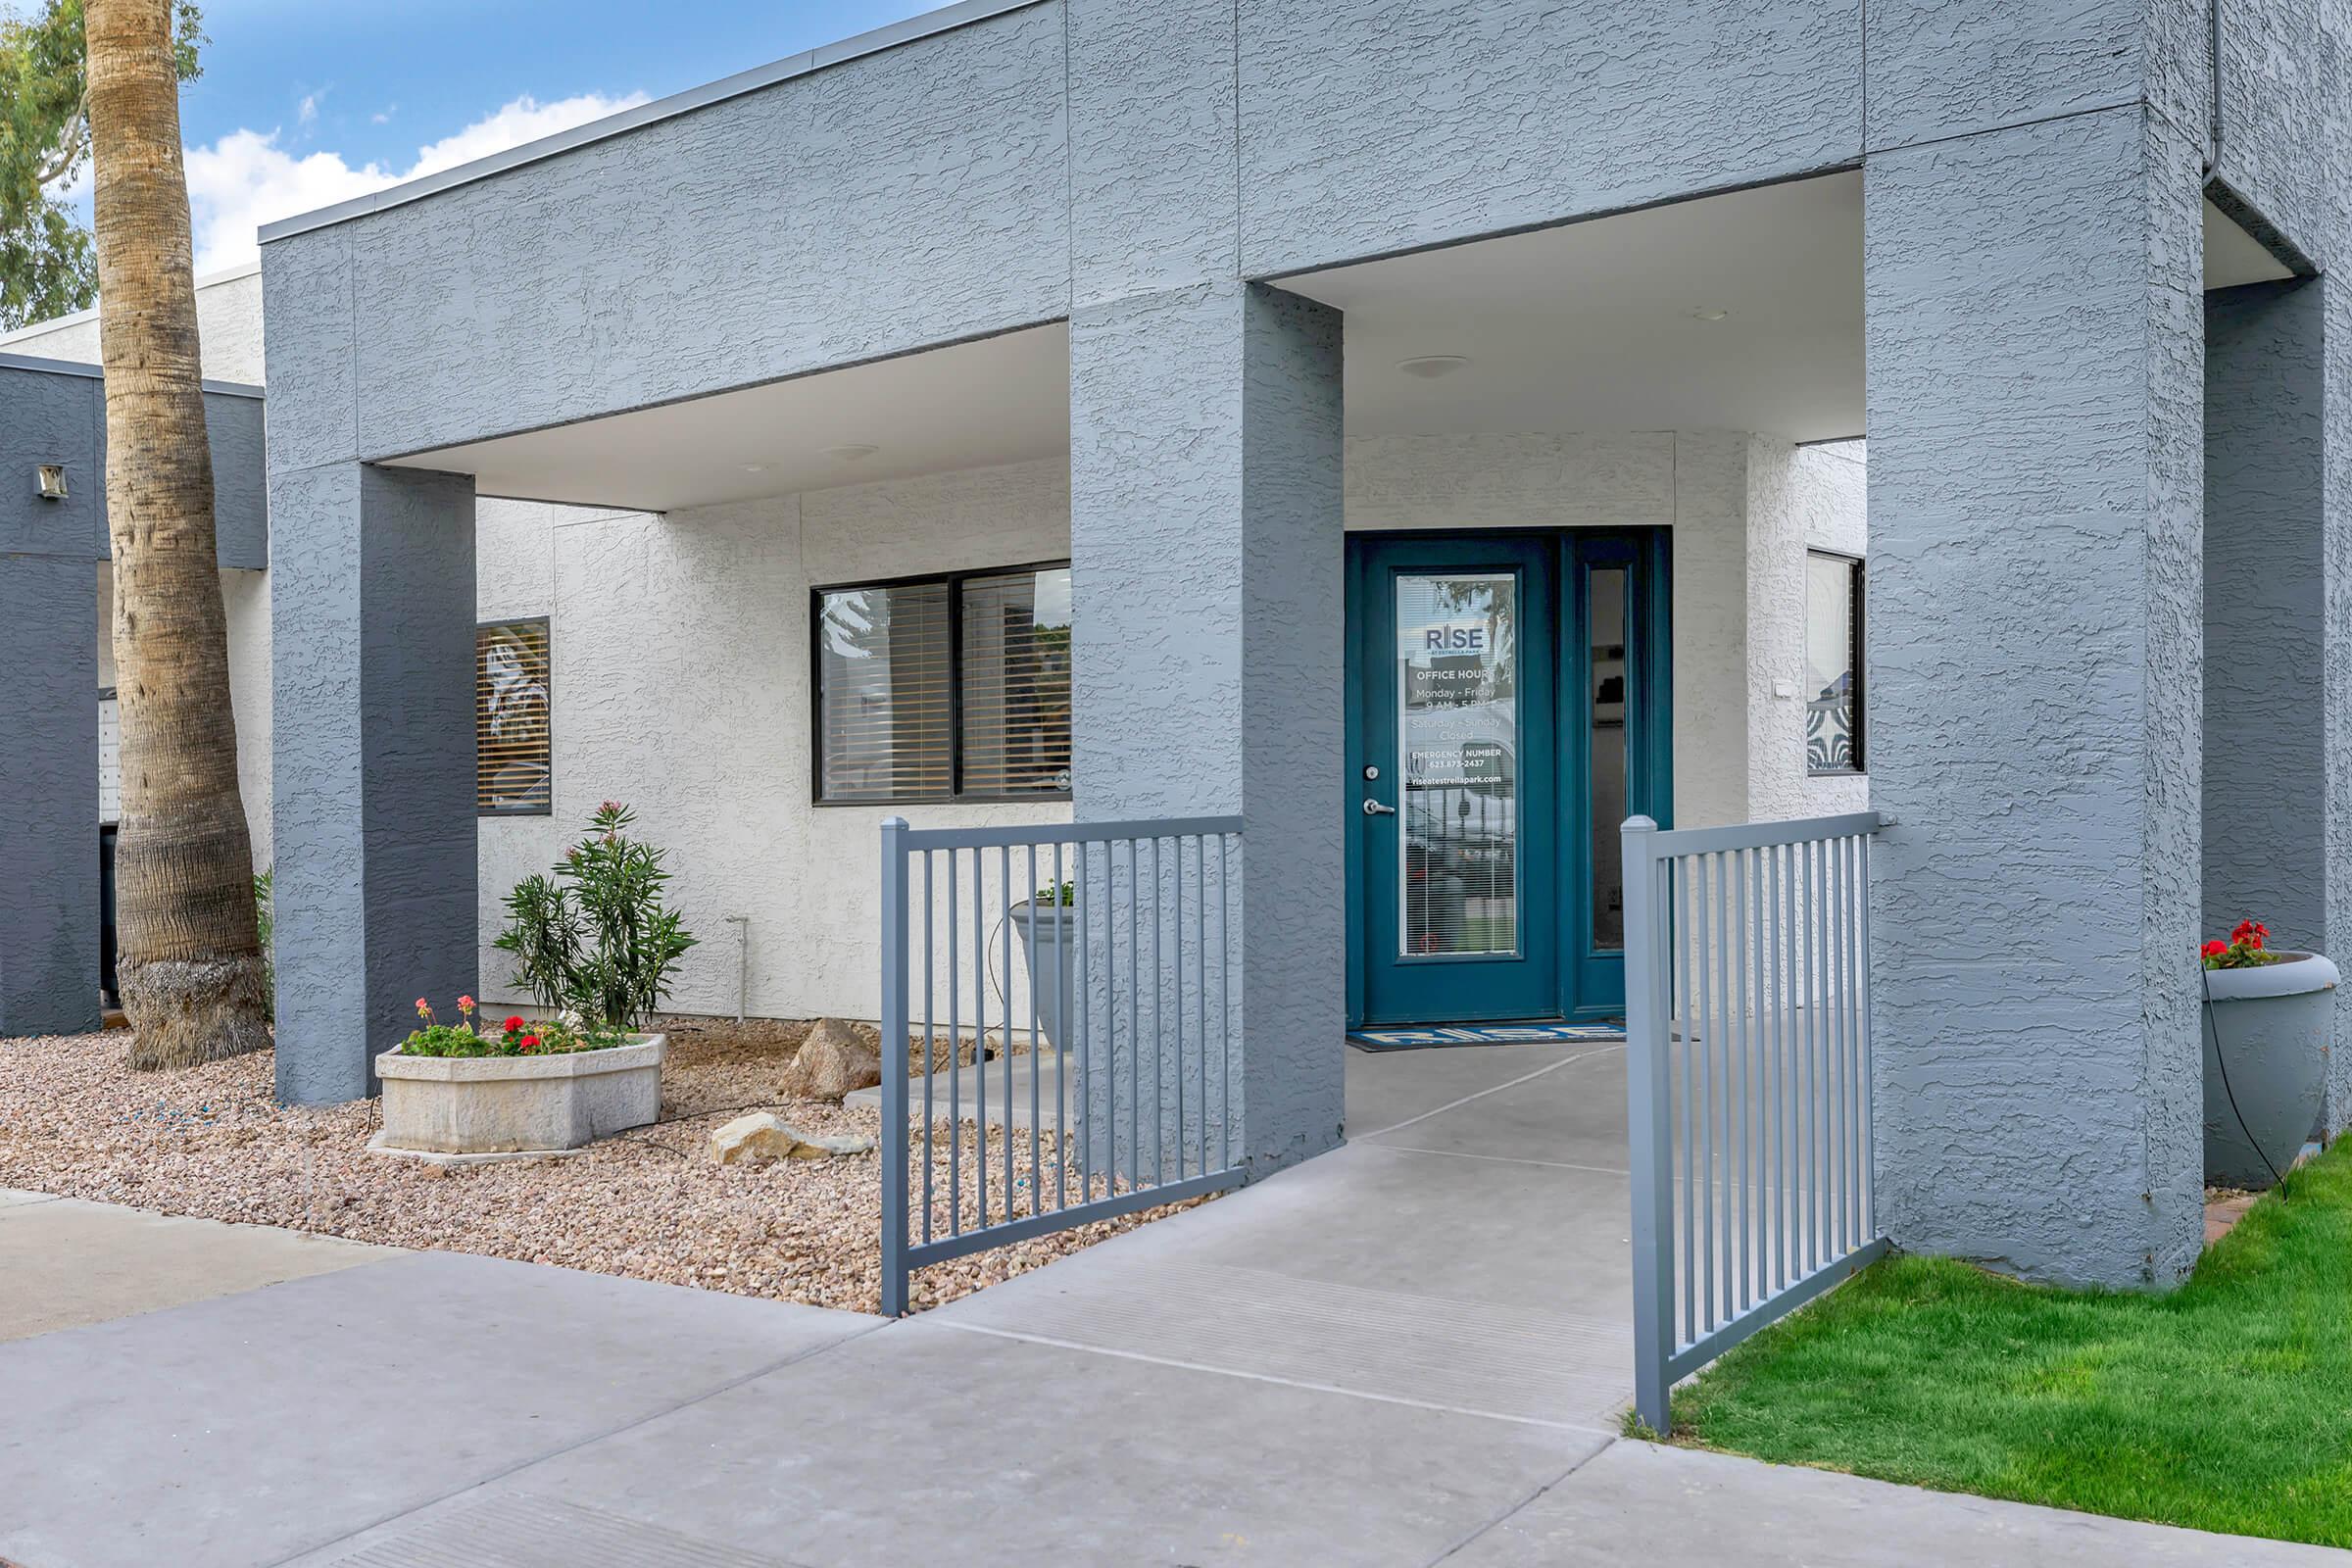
{"x": 833, "y": 1060}
{"x": 764, "y": 1135}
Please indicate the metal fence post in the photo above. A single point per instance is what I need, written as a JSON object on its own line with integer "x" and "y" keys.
{"x": 1648, "y": 1089}
{"x": 894, "y": 1067}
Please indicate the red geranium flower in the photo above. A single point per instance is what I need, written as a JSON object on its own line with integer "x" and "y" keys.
{"x": 529, "y": 1042}
{"x": 513, "y": 1023}
{"x": 2214, "y": 949}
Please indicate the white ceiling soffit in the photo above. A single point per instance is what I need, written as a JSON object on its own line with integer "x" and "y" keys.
{"x": 1736, "y": 312}
{"x": 2233, "y": 257}
{"x": 998, "y": 400}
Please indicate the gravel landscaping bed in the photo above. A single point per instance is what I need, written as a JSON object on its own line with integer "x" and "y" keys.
{"x": 650, "y": 1205}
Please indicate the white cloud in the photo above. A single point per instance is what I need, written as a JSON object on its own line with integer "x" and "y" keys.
{"x": 245, "y": 178}
{"x": 308, "y": 111}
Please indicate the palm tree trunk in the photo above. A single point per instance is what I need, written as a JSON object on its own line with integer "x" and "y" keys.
{"x": 190, "y": 961}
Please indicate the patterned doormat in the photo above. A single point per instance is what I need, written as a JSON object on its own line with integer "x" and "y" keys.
{"x": 1428, "y": 1037}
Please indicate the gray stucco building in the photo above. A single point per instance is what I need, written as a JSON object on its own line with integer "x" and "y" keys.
{"x": 55, "y": 651}
{"x": 1300, "y": 292}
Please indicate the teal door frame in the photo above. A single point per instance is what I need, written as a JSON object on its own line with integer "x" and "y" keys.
{"x": 1555, "y": 854}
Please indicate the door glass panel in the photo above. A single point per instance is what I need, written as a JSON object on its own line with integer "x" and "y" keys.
{"x": 1457, "y": 743}
{"x": 1607, "y": 618}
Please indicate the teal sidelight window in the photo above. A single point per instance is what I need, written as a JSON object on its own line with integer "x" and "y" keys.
{"x": 1605, "y": 677}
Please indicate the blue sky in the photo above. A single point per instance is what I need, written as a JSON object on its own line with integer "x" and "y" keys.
{"x": 307, "y": 102}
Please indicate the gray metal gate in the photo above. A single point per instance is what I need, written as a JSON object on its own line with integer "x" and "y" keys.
{"x": 1748, "y": 1081}
{"x": 1091, "y": 970}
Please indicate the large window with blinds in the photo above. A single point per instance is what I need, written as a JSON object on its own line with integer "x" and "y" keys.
{"x": 945, "y": 688}
{"x": 513, "y": 738}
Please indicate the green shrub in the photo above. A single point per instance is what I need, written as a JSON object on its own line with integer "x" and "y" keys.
{"x": 267, "y": 924}
{"x": 599, "y": 939}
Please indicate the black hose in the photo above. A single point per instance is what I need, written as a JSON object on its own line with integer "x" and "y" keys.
{"x": 2205, "y": 976}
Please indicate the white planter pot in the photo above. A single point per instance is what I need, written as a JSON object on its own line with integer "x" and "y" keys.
{"x": 506, "y": 1104}
{"x": 1048, "y": 936}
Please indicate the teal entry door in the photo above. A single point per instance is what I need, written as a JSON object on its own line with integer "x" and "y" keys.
{"x": 1505, "y": 714}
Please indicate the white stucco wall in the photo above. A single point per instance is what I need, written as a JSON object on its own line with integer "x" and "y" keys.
{"x": 1800, "y": 499}
{"x": 228, "y": 326}
{"x": 681, "y": 685}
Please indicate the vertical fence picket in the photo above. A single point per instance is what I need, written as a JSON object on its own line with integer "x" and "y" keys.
{"x": 930, "y": 1003}
{"x": 1735, "y": 951}
{"x": 1690, "y": 1030}
{"x": 894, "y": 1084}
{"x": 1226, "y": 1041}
{"x": 1201, "y": 986}
{"x": 955, "y": 1061}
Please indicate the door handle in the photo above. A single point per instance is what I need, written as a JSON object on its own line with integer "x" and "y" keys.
{"x": 1375, "y": 808}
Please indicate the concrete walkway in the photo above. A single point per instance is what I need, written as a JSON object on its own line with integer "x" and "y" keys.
{"x": 1410, "y": 1351}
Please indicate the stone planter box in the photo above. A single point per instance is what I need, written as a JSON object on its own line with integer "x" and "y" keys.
{"x": 513, "y": 1104}
{"x": 1052, "y": 954}
{"x": 2273, "y": 1028}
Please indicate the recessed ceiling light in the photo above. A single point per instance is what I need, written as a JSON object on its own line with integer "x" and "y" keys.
{"x": 851, "y": 451}
{"x": 1433, "y": 366}
{"x": 754, "y": 467}
{"x": 1707, "y": 312}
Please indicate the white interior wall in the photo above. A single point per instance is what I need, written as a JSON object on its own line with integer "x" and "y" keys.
{"x": 681, "y": 679}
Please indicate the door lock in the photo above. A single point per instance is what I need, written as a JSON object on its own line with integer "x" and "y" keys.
{"x": 1375, "y": 808}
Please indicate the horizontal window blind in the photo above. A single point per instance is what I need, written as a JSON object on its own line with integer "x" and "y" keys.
{"x": 883, "y": 695}
{"x": 956, "y": 687}
{"x": 1016, "y": 683}
{"x": 514, "y": 754}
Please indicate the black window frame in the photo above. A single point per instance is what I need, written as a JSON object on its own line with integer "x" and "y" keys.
{"x": 1858, "y": 741}
{"x": 954, "y": 582}
{"x": 480, "y": 810}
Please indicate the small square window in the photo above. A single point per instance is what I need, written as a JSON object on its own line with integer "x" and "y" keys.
{"x": 1834, "y": 716}
{"x": 512, "y": 719}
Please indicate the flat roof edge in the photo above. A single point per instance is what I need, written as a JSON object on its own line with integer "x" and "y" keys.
{"x": 97, "y": 372}
{"x": 874, "y": 41}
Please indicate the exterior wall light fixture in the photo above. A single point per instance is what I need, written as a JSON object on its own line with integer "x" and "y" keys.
{"x": 52, "y": 482}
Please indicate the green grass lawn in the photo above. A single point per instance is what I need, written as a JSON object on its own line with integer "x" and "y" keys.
{"x": 2225, "y": 1406}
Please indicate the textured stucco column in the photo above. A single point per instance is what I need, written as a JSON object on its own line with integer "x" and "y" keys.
{"x": 2036, "y": 392}
{"x": 48, "y": 792}
{"x": 1206, "y": 521}
{"x": 371, "y": 656}
{"x": 2335, "y": 624}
